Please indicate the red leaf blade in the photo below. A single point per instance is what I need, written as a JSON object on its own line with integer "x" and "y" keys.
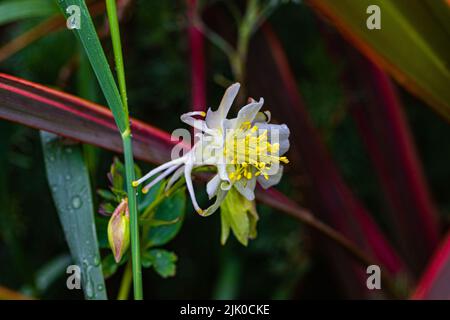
{"x": 435, "y": 281}
{"x": 47, "y": 109}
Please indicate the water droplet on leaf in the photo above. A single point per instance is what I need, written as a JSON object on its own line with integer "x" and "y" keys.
{"x": 89, "y": 290}
{"x": 76, "y": 202}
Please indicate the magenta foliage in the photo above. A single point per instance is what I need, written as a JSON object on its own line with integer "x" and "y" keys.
{"x": 434, "y": 283}
{"x": 327, "y": 193}
{"x": 197, "y": 60}
{"x": 47, "y": 109}
{"x": 383, "y": 126}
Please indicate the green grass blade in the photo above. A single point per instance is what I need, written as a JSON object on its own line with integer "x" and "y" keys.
{"x": 52, "y": 271}
{"x": 117, "y": 48}
{"x": 14, "y": 10}
{"x": 118, "y": 105}
{"x": 94, "y": 51}
{"x": 128, "y": 152}
{"x": 69, "y": 183}
{"x": 87, "y": 89}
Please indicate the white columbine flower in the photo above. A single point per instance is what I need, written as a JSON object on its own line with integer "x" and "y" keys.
{"x": 245, "y": 150}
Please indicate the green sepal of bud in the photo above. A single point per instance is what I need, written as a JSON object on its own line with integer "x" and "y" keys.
{"x": 239, "y": 215}
{"x": 119, "y": 230}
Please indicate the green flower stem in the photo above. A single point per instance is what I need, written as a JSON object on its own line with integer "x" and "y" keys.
{"x": 134, "y": 222}
{"x": 128, "y": 152}
{"x": 125, "y": 284}
{"x": 117, "y": 49}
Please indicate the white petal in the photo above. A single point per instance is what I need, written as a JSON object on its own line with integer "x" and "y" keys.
{"x": 246, "y": 188}
{"x": 221, "y": 194}
{"x": 214, "y": 118}
{"x": 193, "y": 122}
{"x": 160, "y": 177}
{"x": 283, "y": 134}
{"x": 161, "y": 168}
{"x": 282, "y": 129}
{"x": 249, "y": 112}
{"x": 212, "y": 186}
{"x": 223, "y": 174}
{"x": 263, "y": 117}
{"x": 190, "y": 187}
{"x": 228, "y": 124}
{"x": 174, "y": 178}
{"x": 273, "y": 179}
{"x": 284, "y": 146}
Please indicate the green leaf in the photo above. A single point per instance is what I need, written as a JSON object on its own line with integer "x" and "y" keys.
{"x": 106, "y": 194}
{"x": 48, "y": 274}
{"x": 15, "y": 10}
{"x": 412, "y": 44}
{"x": 102, "y": 231}
{"x": 107, "y": 207}
{"x": 146, "y": 199}
{"x": 51, "y": 272}
{"x": 109, "y": 266}
{"x": 69, "y": 183}
{"x": 225, "y": 227}
{"x": 94, "y": 51}
{"x": 117, "y": 174}
{"x": 240, "y": 215}
{"x": 172, "y": 208}
{"x": 157, "y": 223}
{"x": 162, "y": 261}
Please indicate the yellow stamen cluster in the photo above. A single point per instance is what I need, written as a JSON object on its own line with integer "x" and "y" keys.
{"x": 251, "y": 153}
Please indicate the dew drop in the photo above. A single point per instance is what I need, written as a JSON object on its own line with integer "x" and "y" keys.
{"x": 89, "y": 287}
{"x": 76, "y": 202}
{"x": 96, "y": 261}
{"x": 89, "y": 290}
{"x": 68, "y": 177}
{"x": 100, "y": 287}
{"x": 69, "y": 150}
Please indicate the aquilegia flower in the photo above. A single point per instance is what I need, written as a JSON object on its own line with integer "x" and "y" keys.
{"x": 245, "y": 150}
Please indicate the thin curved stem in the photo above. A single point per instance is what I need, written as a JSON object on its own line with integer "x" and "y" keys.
{"x": 125, "y": 284}
{"x": 214, "y": 37}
